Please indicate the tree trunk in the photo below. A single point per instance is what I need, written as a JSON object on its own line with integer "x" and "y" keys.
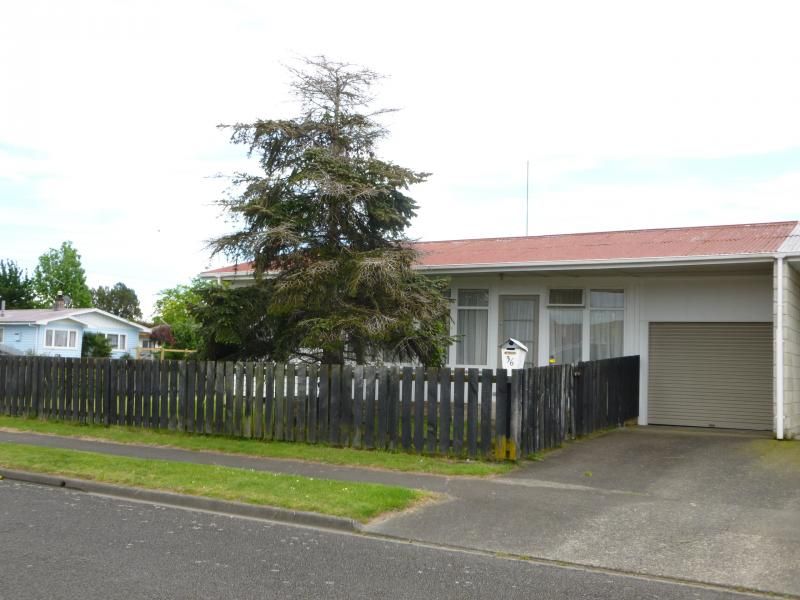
{"x": 330, "y": 357}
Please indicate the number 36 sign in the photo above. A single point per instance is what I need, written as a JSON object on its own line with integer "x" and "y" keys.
{"x": 513, "y": 354}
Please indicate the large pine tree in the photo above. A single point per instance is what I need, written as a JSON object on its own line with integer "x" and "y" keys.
{"x": 326, "y": 219}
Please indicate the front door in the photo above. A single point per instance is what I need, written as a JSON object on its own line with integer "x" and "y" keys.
{"x": 519, "y": 320}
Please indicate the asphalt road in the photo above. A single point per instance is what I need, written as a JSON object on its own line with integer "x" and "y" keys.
{"x": 58, "y": 544}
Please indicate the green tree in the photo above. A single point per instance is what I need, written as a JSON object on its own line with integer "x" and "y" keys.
{"x": 327, "y": 217}
{"x": 95, "y": 345}
{"x": 234, "y": 324}
{"x": 174, "y": 307}
{"x": 119, "y": 300}
{"x": 16, "y": 288}
{"x": 60, "y": 270}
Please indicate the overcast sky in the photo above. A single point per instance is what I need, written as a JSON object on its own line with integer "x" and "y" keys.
{"x": 632, "y": 114}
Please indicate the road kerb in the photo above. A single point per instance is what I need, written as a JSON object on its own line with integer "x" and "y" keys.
{"x": 240, "y": 509}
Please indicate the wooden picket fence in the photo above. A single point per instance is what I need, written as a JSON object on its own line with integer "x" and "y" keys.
{"x": 462, "y": 412}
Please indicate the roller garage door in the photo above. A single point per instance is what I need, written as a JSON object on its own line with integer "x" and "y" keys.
{"x": 710, "y": 375}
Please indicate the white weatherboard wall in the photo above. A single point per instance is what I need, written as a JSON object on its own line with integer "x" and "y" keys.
{"x": 648, "y": 298}
{"x": 99, "y": 323}
{"x": 19, "y": 338}
{"x": 720, "y": 299}
{"x": 791, "y": 349}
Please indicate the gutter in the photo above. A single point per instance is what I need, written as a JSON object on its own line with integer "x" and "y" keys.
{"x": 779, "y": 388}
{"x": 566, "y": 265}
{"x": 667, "y": 261}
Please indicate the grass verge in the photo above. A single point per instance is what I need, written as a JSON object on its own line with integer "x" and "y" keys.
{"x": 395, "y": 461}
{"x": 360, "y": 501}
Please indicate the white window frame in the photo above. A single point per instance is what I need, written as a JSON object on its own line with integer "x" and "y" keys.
{"x": 121, "y": 337}
{"x": 586, "y": 309}
{"x": 71, "y": 334}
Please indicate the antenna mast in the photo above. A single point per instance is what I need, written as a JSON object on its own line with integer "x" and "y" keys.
{"x": 527, "y": 185}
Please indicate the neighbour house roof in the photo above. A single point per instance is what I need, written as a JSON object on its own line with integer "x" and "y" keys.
{"x": 37, "y": 316}
{"x": 43, "y": 316}
{"x": 244, "y": 268}
{"x": 642, "y": 245}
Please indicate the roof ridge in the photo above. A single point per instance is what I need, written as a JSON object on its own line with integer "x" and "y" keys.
{"x": 642, "y": 230}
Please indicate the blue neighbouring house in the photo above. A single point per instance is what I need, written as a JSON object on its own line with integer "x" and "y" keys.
{"x": 59, "y": 331}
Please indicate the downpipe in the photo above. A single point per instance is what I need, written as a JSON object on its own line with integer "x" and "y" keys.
{"x": 779, "y": 391}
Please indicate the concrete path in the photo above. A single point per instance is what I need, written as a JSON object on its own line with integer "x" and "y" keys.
{"x": 715, "y": 507}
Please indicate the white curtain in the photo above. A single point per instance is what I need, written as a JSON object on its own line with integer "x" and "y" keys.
{"x": 519, "y": 316}
{"x": 473, "y": 332}
{"x": 566, "y": 334}
{"x": 606, "y": 325}
{"x": 607, "y": 299}
{"x": 606, "y": 334}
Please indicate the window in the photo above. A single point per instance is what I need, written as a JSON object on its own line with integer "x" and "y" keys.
{"x": 572, "y": 297}
{"x": 118, "y": 341}
{"x": 566, "y": 325}
{"x": 60, "y": 338}
{"x": 472, "y": 327}
{"x": 1, "y": 335}
{"x": 607, "y": 312}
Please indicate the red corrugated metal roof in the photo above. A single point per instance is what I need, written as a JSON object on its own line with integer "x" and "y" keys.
{"x": 682, "y": 242}
{"x": 611, "y": 245}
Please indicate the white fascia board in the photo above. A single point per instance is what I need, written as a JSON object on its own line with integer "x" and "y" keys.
{"x": 227, "y": 275}
{"x": 114, "y": 317}
{"x": 236, "y": 275}
{"x": 569, "y": 265}
{"x": 574, "y": 265}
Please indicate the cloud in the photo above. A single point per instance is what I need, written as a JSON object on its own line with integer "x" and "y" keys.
{"x": 117, "y": 104}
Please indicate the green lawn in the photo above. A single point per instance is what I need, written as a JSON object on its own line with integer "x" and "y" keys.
{"x": 396, "y": 461}
{"x": 360, "y": 501}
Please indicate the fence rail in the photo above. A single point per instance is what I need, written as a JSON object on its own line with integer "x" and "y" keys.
{"x": 463, "y": 412}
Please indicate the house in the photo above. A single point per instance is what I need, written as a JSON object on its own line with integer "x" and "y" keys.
{"x": 713, "y": 312}
{"x": 58, "y": 331}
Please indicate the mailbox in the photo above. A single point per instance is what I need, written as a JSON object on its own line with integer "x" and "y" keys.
{"x": 513, "y": 354}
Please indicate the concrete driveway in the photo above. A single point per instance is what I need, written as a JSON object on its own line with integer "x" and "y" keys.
{"x": 709, "y": 506}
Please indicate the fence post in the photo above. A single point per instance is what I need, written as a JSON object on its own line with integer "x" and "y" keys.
{"x": 514, "y": 443}
{"x": 501, "y": 414}
{"x": 36, "y": 387}
{"x": 106, "y": 392}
